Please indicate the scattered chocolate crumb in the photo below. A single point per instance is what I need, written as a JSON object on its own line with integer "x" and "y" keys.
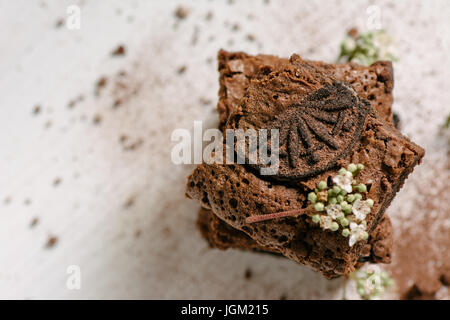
{"x": 59, "y": 23}
{"x": 137, "y": 233}
{"x": 248, "y": 274}
{"x": 27, "y": 201}
{"x": 34, "y": 222}
{"x": 101, "y": 83}
{"x": 51, "y": 242}
{"x": 123, "y": 138}
{"x": 205, "y": 101}
{"x": 57, "y": 182}
{"x": 48, "y": 124}
{"x": 133, "y": 145}
{"x": 283, "y": 297}
{"x": 119, "y": 51}
{"x": 97, "y": 119}
{"x": 181, "y": 69}
{"x": 36, "y": 109}
{"x": 235, "y": 27}
{"x": 72, "y": 103}
{"x": 181, "y": 12}
{"x": 209, "y": 16}
{"x": 353, "y": 32}
{"x": 117, "y": 103}
{"x": 250, "y": 37}
{"x": 7, "y": 200}
{"x": 130, "y": 202}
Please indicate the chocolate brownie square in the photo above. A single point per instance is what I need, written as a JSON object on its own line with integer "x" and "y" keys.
{"x": 307, "y": 103}
{"x": 236, "y": 70}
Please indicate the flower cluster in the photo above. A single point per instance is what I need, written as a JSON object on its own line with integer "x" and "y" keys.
{"x": 343, "y": 205}
{"x": 372, "y": 282}
{"x": 366, "y": 48}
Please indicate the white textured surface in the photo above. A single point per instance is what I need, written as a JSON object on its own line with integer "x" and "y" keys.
{"x": 50, "y": 66}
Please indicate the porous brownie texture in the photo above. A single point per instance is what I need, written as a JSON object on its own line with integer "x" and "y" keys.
{"x": 235, "y": 192}
{"x": 221, "y": 235}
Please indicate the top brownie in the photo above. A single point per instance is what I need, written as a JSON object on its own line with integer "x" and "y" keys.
{"x": 236, "y": 70}
{"x": 324, "y": 125}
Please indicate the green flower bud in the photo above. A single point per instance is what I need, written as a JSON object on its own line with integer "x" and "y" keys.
{"x": 360, "y": 167}
{"x": 332, "y": 200}
{"x": 365, "y": 235}
{"x": 370, "y": 202}
{"x": 346, "y": 232}
{"x": 358, "y": 196}
{"x": 347, "y": 209}
{"x": 339, "y": 198}
{"x": 342, "y": 171}
{"x": 322, "y": 185}
{"x": 312, "y": 197}
{"x": 316, "y": 218}
{"x": 319, "y": 206}
{"x": 361, "y": 188}
{"x": 334, "y": 226}
{"x": 352, "y": 167}
{"x": 344, "y": 222}
{"x": 361, "y": 291}
{"x": 351, "y": 198}
{"x": 336, "y": 190}
{"x": 343, "y": 192}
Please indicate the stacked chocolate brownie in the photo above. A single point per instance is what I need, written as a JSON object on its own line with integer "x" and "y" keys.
{"x": 330, "y": 117}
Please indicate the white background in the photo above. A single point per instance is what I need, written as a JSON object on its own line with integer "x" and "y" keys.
{"x": 151, "y": 249}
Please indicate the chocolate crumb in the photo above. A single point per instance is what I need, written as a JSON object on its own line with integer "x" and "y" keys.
{"x": 209, "y": 16}
{"x": 130, "y": 202}
{"x": 117, "y": 103}
{"x": 101, "y": 83}
{"x": 75, "y": 101}
{"x": 34, "y": 222}
{"x": 123, "y": 138}
{"x": 57, "y": 182}
{"x": 205, "y": 101}
{"x": 27, "y": 202}
{"x": 119, "y": 51}
{"x": 248, "y": 274}
{"x": 7, "y": 200}
{"x": 51, "y": 242}
{"x": 353, "y": 33}
{"x": 283, "y": 297}
{"x": 181, "y": 12}
{"x": 250, "y": 37}
{"x": 97, "y": 118}
{"x": 137, "y": 233}
{"x": 37, "y": 110}
{"x": 59, "y": 23}
{"x": 134, "y": 145}
{"x": 235, "y": 27}
{"x": 181, "y": 69}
